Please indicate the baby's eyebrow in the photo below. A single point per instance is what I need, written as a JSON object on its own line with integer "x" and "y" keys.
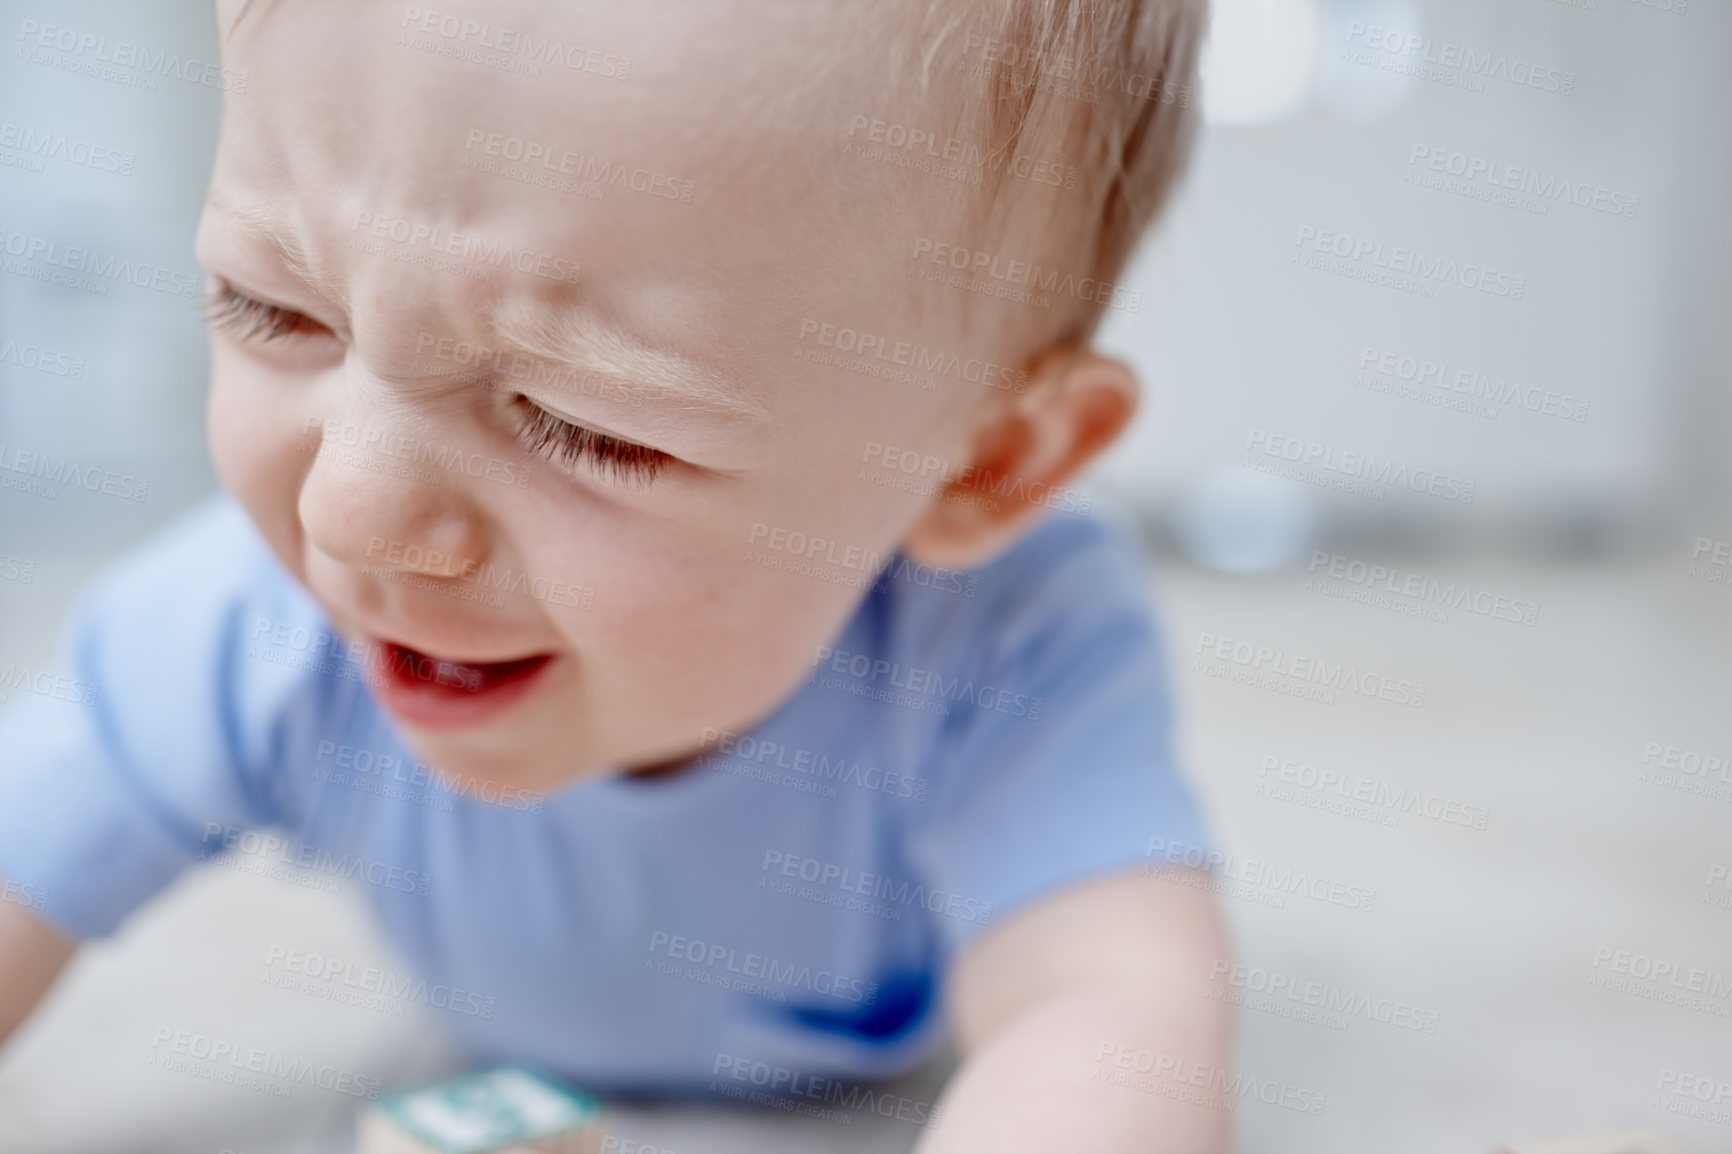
{"x": 276, "y": 230}
{"x": 567, "y": 335}
{"x": 574, "y": 336}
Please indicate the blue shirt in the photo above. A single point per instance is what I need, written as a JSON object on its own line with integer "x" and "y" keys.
{"x": 968, "y": 744}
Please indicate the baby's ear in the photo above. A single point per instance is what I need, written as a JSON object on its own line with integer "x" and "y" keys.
{"x": 1026, "y": 451}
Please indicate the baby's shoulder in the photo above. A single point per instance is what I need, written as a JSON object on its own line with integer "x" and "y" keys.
{"x": 187, "y": 600}
{"x": 1070, "y": 576}
{"x": 207, "y": 561}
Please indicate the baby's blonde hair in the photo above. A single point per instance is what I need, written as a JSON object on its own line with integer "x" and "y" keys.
{"x": 1108, "y": 85}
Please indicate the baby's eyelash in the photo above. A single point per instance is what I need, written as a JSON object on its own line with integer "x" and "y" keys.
{"x": 247, "y": 318}
{"x": 561, "y": 440}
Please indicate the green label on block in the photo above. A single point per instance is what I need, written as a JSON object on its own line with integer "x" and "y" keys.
{"x": 492, "y": 1108}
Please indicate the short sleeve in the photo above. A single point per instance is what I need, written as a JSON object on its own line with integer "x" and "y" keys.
{"x": 117, "y": 761}
{"x": 1072, "y": 775}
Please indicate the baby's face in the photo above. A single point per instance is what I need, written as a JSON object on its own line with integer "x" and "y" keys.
{"x": 552, "y": 553}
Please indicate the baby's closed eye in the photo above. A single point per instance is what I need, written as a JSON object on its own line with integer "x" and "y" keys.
{"x": 249, "y": 319}
{"x": 569, "y": 443}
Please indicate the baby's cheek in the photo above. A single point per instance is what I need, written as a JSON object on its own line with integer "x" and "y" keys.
{"x": 722, "y": 637}
{"x": 260, "y": 457}
{"x": 781, "y": 620}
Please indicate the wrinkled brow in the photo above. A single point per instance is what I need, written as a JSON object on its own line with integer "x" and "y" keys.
{"x": 573, "y": 336}
{"x": 275, "y": 230}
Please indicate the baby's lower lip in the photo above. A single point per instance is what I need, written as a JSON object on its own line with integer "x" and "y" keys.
{"x": 440, "y": 693}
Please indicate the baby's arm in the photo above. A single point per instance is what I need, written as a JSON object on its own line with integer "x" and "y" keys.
{"x": 32, "y": 953}
{"x": 1042, "y": 1005}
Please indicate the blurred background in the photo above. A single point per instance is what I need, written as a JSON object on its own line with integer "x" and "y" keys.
{"x": 1574, "y": 409}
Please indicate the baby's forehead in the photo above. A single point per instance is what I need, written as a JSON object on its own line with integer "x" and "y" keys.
{"x": 654, "y": 160}
{"x": 681, "y": 71}
{"x": 559, "y": 105}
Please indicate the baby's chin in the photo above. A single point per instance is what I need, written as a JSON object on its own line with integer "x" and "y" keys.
{"x": 543, "y": 748}
{"x": 500, "y": 768}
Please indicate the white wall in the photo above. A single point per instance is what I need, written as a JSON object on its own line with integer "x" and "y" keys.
{"x": 1233, "y": 336}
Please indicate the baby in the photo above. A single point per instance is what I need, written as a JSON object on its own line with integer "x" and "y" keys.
{"x": 649, "y": 567}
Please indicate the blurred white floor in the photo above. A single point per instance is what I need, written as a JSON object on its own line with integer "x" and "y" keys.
{"x": 1493, "y": 931}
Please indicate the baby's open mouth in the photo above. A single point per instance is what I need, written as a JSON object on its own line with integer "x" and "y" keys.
{"x": 461, "y": 676}
{"x": 440, "y": 691}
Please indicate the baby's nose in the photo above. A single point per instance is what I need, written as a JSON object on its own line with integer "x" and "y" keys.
{"x": 391, "y": 519}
